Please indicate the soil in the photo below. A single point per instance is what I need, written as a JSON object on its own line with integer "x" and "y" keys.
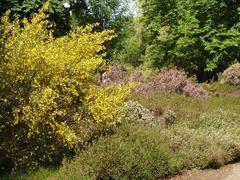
{"x": 229, "y": 172}
{"x": 236, "y": 93}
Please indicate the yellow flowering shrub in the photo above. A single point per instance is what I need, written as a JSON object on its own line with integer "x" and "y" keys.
{"x": 49, "y": 97}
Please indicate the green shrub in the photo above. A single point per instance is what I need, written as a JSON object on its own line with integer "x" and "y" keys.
{"x": 135, "y": 152}
{"x": 231, "y": 75}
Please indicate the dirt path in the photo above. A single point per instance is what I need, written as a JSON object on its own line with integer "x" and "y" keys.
{"x": 229, "y": 172}
{"x": 236, "y": 93}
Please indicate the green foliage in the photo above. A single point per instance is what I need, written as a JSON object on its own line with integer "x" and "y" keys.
{"x": 80, "y": 12}
{"x": 135, "y": 152}
{"x": 200, "y": 36}
{"x": 110, "y": 14}
{"x": 58, "y": 15}
{"x": 231, "y": 75}
{"x": 132, "y": 154}
{"x": 130, "y": 48}
{"x": 49, "y": 98}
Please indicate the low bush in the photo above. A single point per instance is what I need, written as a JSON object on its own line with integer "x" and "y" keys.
{"x": 134, "y": 155}
{"x": 231, "y": 75}
{"x": 140, "y": 151}
{"x": 207, "y": 142}
{"x": 49, "y": 98}
{"x": 170, "y": 117}
{"x": 134, "y": 112}
{"x": 168, "y": 80}
{"x": 172, "y": 80}
{"x": 118, "y": 74}
{"x": 135, "y": 152}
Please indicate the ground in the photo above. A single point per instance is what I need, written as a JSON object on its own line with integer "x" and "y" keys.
{"x": 229, "y": 172}
{"x": 236, "y": 93}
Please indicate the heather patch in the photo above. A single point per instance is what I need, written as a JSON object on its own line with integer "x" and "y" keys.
{"x": 173, "y": 80}
{"x": 118, "y": 74}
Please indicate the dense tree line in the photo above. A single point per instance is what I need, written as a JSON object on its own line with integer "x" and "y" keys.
{"x": 66, "y": 14}
{"x": 59, "y": 16}
{"x": 202, "y": 37}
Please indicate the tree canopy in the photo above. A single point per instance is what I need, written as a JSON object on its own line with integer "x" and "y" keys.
{"x": 108, "y": 13}
{"x": 58, "y": 15}
{"x": 200, "y": 36}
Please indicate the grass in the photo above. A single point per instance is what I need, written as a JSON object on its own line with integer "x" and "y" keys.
{"x": 205, "y": 135}
{"x": 188, "y": 107}
{"x": 220, "y": 89}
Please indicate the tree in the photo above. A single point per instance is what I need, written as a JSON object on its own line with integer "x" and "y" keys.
{"x": 107, "y": 13}
{"x": 130, "y": 48}
{"x": 200, "y": 36}
{"x": 80, "y": 13}
{"x": 110, "y": 14}
{"x": 58, "y": 15}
